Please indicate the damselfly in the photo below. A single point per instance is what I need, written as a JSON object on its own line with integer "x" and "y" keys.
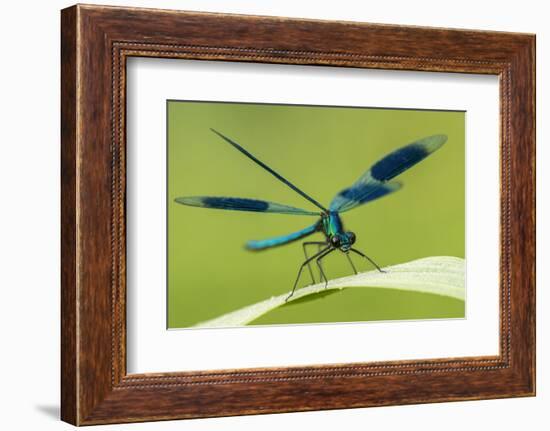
{"x": 373, "y": 184}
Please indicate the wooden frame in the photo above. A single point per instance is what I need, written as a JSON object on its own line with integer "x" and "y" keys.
{"x": 96, "y": 41}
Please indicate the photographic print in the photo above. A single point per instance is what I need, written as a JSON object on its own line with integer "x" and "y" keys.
{"x": 300, "y": 214}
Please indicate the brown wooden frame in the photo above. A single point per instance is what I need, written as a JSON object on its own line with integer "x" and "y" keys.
{"x": 95, "y": 43}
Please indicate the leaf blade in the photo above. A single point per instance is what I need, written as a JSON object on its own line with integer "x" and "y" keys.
{"x": 439, "y": 275}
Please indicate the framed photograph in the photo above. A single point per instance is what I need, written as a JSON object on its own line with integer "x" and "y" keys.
{"x": 317, "y": 215}
{"x": 211, "y": 276}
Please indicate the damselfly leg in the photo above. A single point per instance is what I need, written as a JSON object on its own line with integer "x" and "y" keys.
{"x": 321, "y": 271}
{"x": 320, "y": 245}
{"x": 351, "y": 263}
{"x": 307, "y": 261}
{"x": 368, "y": 258}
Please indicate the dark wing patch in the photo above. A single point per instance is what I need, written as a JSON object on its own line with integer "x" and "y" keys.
{"x": 235, "y": 204}
{"x": 241, "y": 204}
{"x": 406, "y": 157}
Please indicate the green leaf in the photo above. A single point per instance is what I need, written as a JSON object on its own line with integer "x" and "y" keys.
{"x": 438, "y": 275}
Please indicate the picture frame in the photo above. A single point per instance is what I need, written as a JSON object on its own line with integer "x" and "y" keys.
{"x": 96, "y": 42}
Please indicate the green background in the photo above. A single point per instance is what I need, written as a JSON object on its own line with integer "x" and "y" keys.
{"x": 322, "y": 150}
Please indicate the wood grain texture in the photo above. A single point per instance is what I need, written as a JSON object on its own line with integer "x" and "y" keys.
{"x": 69, "y": 371}
{"x": 96, "y": 41}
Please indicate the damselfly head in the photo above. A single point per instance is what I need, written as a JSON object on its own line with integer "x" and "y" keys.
{"x": 343, "y": 241}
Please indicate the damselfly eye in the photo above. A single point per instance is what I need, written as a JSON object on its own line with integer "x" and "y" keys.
{"x": 351, "y": 237}
{"x": 335, "y": 240}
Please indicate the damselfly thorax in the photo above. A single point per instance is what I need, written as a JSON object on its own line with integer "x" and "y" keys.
{"x": 335, "y": 235}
